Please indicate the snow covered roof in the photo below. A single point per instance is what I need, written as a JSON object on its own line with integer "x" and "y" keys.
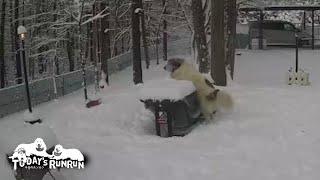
{"x": 166, "y": 89}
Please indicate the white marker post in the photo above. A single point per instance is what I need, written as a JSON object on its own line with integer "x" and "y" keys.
{"x": 297, "y": 76}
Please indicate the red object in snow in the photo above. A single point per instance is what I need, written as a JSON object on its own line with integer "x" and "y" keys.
{"x": 163, "y": 119}
{"x": 93, "y": 103}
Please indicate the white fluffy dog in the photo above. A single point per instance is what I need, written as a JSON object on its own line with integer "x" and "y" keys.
{"x": 40, "y": 148}
{"x": 60, "y": 153}
{"x": 209, "y": 97}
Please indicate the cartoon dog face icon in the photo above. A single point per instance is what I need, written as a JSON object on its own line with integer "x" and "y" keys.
{"x": 21, "y": 151}
{"x": 57, "y": 150}
{"x": 19, "y": 154}
{"x": 22, "y": 155}
{"x": 40, "y": 145}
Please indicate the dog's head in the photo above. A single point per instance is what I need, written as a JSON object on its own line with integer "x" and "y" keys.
{"x": 40, "y": 145}
{"x": 58, "y": 150}
{"x": 173, "y": 64}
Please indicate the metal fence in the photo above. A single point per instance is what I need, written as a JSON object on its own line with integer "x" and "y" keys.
{"x": 12, "y": 99}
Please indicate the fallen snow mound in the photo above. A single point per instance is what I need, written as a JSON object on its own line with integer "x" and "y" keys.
{"x": 166, "y": 89}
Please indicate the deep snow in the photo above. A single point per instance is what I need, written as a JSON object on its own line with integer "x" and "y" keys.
{"x": 166, "y": 89}
{"x": 273, "y": 132}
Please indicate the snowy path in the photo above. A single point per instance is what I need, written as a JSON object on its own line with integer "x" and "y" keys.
{"x": 273, "y": 133}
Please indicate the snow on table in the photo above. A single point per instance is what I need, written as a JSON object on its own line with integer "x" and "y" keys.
{"x": 166, "y": 89}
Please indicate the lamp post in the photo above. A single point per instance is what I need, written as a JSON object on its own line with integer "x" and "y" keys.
{"x": 22, "y": 32}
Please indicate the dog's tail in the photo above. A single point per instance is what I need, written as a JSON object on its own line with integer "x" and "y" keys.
{"x": 225, "y": 100}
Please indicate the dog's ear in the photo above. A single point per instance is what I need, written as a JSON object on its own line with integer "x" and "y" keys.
{"x": 210, "y": 84}
{"x": 212, "y": 96}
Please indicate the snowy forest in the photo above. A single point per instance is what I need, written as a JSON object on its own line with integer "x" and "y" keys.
{"x": 159, "y": 89}
{"x": 59, "y": 32}
{"x": 65, "y": 35}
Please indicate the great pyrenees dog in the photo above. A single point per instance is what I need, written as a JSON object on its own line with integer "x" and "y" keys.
{"x": 210, "y": 98}
{"x": 40, "y": 148}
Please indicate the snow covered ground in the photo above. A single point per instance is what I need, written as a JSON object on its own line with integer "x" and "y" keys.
{"x": 273, "y": 132}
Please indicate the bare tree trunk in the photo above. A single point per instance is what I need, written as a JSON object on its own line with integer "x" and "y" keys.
{"x": 144, "y": 37}
{"x": 136, "y": 51}
{"x": 55, "y": 60}
{"x": 218, "y": 70}
{"x": 99, "y": 33}
{"x": 157, "y": 49}
{"x": 117, "y": 25}
{"x": 105, "y": 44}
{"x": 16, "y": 39}
{"x": 23, "y": 12}
{"x": 2, "y": 31}
{"x": 95, "y": 10}
{"x": 88, "y": 41}
{"x": 81, "y": 58}
{"x": 70, "y": 48}
{"x": 70, "y": 51}
{"x": 120, "y": 24}
{"x": 200, "y": 35}
{"x": 12, "y": 33}
{"x": 94, "y": 34}
{"x": 38, "y": 7}
{"x": 231, "y": 26}
{"x": 35, "y": 33}
{"x": 165, "y": 32}
{"x": 91, "y": 44}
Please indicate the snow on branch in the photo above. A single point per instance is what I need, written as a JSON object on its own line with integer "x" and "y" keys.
{"x": 138, "y": 11}
{"x": 100, "y": 15}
